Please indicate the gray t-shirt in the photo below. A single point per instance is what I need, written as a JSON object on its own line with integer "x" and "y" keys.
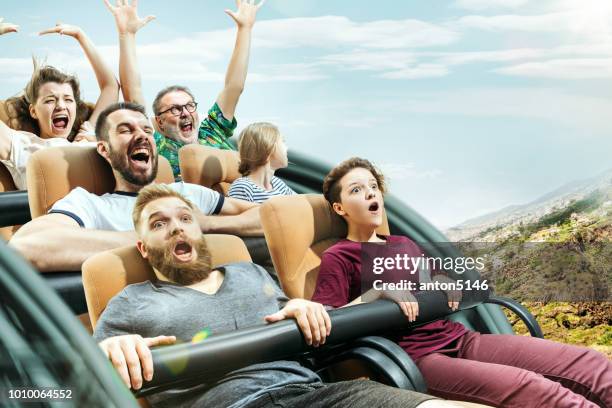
{"x": 246, "y": 295}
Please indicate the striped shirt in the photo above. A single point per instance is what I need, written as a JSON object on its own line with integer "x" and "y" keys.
{"x": 245, "y": 189}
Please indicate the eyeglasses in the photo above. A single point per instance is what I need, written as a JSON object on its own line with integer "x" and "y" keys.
{"x": 176, "y": 110}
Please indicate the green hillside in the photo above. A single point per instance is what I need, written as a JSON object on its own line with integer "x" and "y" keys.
{"x": 560, "y": 267}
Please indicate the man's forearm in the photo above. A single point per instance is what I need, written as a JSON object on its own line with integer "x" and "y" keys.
{"x": 66, "y": 248}
{"x": 247, "y": 224}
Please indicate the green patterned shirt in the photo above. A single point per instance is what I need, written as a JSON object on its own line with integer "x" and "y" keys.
{"x": 215, "y": 130}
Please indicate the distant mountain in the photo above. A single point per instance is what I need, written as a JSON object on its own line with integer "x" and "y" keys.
{"x": 515, "y": 215}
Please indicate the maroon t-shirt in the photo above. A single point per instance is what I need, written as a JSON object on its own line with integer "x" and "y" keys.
{"x": 339, "y": 282}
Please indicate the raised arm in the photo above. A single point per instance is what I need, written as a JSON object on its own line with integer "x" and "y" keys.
{"x": 235, "y": 76}
{"x": 109, "y": 86}
{"x": 128, "y": 23}
{"x": 7, "y": 27}
{"x": 55, "y": 242}
{"x": 5, "y": 131}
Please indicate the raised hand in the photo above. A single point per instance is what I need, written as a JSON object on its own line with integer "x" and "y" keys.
{"x": 7, "y": 27}
{"x": 246, "y": 13}
{"x": 131, "y": 356}
{"x": 126, "y": 16}
{"x": 64, "y": 29}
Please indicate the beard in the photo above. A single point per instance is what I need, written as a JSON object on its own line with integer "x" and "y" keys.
{"x": 120, "y": 163}
{"x": 184, "y": 273}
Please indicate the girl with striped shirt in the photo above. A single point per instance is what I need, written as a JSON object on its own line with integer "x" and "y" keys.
{"x": 262, "y": 152}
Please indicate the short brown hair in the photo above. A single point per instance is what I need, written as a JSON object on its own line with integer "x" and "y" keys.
{"x": 18, "y": 107}
{"x": 331, "y": 184}
{"x": 154, "y": 192}
{"x": 102, "y": 123}
{"x": 257, "y": 142}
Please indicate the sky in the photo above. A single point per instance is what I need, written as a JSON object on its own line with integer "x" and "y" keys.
{"x": 468, "y": 106}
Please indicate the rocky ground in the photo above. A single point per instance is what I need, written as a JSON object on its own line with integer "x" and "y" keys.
{"x": 582, "y": 324}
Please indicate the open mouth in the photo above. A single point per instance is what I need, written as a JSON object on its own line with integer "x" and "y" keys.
{"x": 373, "y": 207}
{"x": 186, "y": 126}
{"x": 183, "y": 251}
{"x": 140, "y": 156}
{"x": 60, "y": 122}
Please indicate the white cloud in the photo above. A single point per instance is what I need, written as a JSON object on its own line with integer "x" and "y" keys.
{"x": 333, "y": 31}
{"x": 478, "y": 5}
{"x": 362, "y": 60}
{"x": 418, "y": 72}
{"x": 458, "y": 58}
{"x": 390, "y": 64}
{"x": 563, "y": 69}
{"x": 552, "y": 22}
{"x": 585, "y": 112}
{"x": 586, "y": 20}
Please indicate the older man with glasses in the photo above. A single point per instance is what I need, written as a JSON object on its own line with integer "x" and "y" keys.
{"x": 177, "y": 121}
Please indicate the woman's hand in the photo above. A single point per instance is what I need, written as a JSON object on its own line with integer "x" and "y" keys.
{"x": 64, "y": 29}
{"x": 7, "y": 27}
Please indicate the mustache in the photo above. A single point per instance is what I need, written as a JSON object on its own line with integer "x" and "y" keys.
{"x": 162, "y": 259}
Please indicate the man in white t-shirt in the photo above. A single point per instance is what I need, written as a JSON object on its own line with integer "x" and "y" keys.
{"x": 82, "y": 224}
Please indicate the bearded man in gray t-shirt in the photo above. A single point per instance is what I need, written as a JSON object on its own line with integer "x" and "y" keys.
{"x": 188, "y": 296}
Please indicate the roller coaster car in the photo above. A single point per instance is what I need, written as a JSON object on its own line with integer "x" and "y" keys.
{"x": 44, "y": 345}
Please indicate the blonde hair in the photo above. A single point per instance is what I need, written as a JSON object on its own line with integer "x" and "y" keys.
{"x": 154, "y": 192}
{"x": 257, "y": 142}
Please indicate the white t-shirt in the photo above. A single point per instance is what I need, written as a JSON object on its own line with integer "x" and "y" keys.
{"x": 113, "y": 211}
{"x": 24, "y": 145}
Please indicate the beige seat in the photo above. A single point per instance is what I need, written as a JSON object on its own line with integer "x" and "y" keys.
{"x": 298, "y": 230}
{"x": 107, "y": 273}
{"x": 209, "y": 167}
{"x": 7, "y": 184}
{"x": 52, "y": 173}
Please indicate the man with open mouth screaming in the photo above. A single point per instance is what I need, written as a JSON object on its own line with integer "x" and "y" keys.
{"x": 189, "y": 294}
{"x": 83, "y": 223}
{"x": 177, "y": 121}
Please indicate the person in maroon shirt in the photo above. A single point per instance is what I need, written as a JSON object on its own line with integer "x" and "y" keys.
{"x": 457, "y": 363}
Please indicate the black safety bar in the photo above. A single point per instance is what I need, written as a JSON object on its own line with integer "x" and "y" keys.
{"x": 521, "y": 311}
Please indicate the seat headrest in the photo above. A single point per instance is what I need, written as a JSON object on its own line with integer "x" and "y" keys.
{"x": 107, "y": 273}
{"x": 209, "y": 167}
{"x": 6, "y": 180}
{"x": 52, "y": 173}
{"x": 298, "y": 230}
